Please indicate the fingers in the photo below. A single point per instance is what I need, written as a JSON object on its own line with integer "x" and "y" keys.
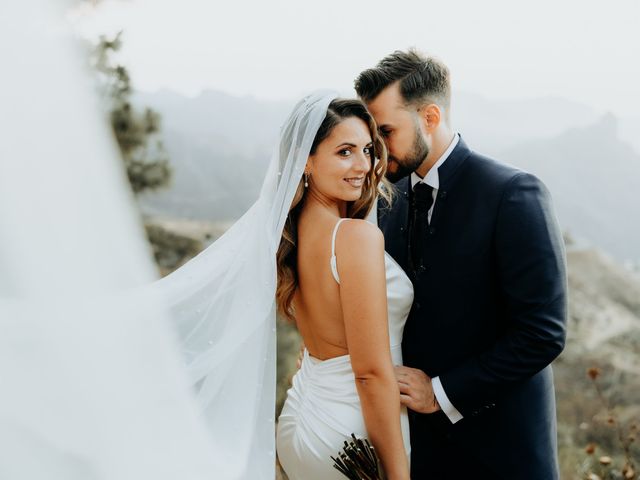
{"x": 415, "y": 388}
{"x": 407, "y": 372}
{"x": 408, "y": 396}
{"x": 408, "y": 402}
{"x": 405, "y": 388}
{"x": 402, "y": 370}
{"x": 403, "y": 374}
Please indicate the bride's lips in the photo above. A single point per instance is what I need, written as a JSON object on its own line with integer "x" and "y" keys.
{"x": 355, "y": 182}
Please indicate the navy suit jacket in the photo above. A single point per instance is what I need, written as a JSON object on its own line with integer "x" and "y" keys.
{"x": 489, "y": 313}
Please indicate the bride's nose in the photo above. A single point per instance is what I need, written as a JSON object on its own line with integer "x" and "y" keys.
{"x": 363, "y": 164}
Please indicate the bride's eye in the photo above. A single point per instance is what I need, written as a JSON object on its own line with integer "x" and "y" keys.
{"x": 368, "y": 151}
{"x": 345, "y": 152}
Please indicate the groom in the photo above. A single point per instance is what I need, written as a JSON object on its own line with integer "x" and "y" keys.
{"x": 481, "y": 244}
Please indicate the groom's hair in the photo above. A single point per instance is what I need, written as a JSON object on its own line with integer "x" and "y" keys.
{"x": 422, "y": 79}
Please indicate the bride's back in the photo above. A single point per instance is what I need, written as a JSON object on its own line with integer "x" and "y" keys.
{"x": 317, "y": 299}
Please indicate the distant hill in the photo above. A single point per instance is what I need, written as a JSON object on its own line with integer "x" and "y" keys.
{"x": 491, "y": 126}
{"x": 629, "y": 128}
{"x": 251, "y": 125}
{"x": 220, "y": 146}
{"x": 212, "y": 180}
{"x": 594, "y": 178}
{"x": 227, "y": 124}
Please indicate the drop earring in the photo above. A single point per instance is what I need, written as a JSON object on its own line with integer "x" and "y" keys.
{"x": 306, "y": 180}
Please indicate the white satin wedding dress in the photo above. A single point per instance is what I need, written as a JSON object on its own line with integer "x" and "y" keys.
{"x": 322, "y": 408}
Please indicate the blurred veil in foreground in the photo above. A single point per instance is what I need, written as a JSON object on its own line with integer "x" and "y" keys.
{"x": 91, "y": 381}
{"x": 94, "y": 382}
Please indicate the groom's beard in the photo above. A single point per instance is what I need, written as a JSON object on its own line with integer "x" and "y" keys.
{"x": 400, "y": 168}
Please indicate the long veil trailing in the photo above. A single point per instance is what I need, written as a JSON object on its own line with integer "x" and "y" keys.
{"x": 104, "y": 372}
{"x": 223, "y": 302}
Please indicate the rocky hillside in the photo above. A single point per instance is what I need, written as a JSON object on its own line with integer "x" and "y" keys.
{"x": 604, "y": 333}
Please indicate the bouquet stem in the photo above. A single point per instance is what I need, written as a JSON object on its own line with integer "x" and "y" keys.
{"x": 358, "y": 460}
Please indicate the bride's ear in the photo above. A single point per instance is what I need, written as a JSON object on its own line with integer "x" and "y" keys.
{"x": 308, "y": 165}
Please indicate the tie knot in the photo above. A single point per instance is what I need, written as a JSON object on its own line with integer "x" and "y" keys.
{"x": 423, "y": 196}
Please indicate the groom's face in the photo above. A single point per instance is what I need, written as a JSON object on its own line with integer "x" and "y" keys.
{"x": 401, "y": 130}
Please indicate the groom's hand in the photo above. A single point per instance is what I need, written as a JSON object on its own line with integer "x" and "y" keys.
{"x": 416, "y": 391}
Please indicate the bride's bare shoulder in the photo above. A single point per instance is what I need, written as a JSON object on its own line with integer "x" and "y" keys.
{"x": 356, "y": 236}
{"x": 360, "y": 264}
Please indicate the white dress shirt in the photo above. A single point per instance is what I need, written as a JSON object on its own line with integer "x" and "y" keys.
{"x": 433, "y": 180}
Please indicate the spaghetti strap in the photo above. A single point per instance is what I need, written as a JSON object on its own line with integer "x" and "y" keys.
{"x": 334, "y": 266}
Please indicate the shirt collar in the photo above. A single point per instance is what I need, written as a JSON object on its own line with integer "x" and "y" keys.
{"x": 431, "y": 178}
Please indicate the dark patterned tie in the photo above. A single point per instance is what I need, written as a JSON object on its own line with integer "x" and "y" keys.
{"x": 421, "y": 202}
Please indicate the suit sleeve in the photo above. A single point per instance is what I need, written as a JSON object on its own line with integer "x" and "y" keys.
{"x": 532, "y": 281}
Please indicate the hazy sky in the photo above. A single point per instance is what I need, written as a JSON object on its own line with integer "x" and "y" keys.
{"x": 587, "y": 51}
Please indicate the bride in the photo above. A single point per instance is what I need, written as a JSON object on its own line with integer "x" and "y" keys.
{"x": 132, "y": 414}
{"x": 349, "y": 301}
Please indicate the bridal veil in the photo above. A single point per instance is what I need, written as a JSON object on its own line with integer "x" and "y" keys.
{"x": 223, "y": 302}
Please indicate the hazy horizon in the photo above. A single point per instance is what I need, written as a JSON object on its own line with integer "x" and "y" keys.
{"x": 581, "y": 51}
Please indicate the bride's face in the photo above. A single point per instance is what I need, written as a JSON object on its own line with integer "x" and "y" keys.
{"x": 342, "y": 161}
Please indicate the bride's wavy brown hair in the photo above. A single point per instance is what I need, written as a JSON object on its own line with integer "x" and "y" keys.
{"x": 374, "y": 184}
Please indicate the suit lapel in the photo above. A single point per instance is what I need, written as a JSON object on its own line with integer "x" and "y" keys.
{"x": 446, "y": 175}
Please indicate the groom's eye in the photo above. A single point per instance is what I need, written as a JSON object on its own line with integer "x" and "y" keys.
{"x": 385, "y": 132}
